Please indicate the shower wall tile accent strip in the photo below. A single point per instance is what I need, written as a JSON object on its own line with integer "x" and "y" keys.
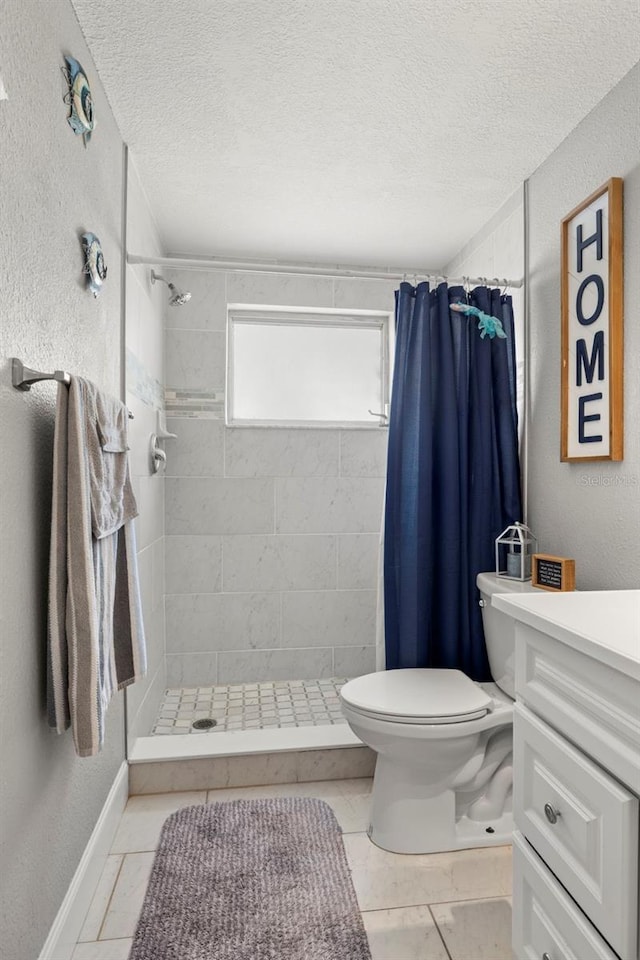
{"x": 271, "y": 533}
{"x": 195, "y": 404}
{"x": 250, "y": 706}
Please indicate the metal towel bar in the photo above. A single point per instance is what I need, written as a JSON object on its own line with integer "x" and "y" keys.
{"x": 24, "y": 377}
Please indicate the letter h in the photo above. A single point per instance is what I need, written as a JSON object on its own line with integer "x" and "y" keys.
{"x": 583, "y": 244}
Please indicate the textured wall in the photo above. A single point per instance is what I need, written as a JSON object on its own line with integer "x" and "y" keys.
{"x": 51, "y": 190}
{"x": 145, "y": 397}
{"x": 272, "y": 534}
{"x": 590, "y": 511}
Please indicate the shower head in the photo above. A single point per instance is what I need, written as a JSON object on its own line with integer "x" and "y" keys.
{"x": 177, "y": 297}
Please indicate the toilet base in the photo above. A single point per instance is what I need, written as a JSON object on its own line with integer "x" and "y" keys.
{"x": 468, "y": 835}
{"x": 407, "y": 817}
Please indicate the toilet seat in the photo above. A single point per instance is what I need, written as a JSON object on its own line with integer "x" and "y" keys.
{"x": 420, "y": 696}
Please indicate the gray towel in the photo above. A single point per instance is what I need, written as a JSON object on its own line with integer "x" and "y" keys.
{"x": 96, "y": 635}
{"x": 112, "y": 500}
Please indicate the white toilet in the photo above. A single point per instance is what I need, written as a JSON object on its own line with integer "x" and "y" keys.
{"x": 443, "y": 775}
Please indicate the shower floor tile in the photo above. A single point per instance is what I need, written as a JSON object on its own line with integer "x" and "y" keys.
{"x": 248, "y": 706}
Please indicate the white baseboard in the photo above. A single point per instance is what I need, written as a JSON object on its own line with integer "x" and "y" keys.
{"x": 66, "y": 928}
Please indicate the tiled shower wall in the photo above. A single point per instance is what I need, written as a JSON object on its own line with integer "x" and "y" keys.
{"x": 271, "y": 533}
{"x": 144, "y": 379}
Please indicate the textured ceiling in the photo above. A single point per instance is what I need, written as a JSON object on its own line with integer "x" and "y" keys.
{"x": 361, "y": 131}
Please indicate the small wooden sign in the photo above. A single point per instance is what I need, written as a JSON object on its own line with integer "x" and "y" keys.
{"x": 592, "y": 354}
{"x": 553, "y": 573}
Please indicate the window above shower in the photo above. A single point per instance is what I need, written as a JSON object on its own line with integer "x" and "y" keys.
{"x": 308, "y": 367}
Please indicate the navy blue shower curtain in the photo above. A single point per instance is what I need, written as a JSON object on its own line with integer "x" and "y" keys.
{"x": 453, "y": 475}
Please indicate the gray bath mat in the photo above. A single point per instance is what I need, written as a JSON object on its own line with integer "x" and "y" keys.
{"x": 251, "y": 880}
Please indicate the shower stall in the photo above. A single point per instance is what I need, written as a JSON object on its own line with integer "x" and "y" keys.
{"x": 271, "y": 532}
{"x": 260, "y": 543}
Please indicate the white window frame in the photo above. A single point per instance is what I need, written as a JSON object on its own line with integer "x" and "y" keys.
{"x": 382, "y": 320}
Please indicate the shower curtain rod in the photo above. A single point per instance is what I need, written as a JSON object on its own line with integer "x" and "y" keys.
{"x": 305, "y": 269}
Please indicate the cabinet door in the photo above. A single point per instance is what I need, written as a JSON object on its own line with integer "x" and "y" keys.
{"x": 592, "y": 705}
{"x": 546, "y": 921}
{"x": 583, "y": 824}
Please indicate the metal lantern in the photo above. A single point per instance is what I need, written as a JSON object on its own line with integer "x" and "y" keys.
{"x": 514, "y": 548}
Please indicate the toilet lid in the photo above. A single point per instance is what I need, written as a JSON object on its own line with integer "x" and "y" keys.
{"x": 417, "y": 696}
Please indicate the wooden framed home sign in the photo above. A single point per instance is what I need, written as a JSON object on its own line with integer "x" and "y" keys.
{"x": 557, "y": 574}
{"x": 592, "y": 319}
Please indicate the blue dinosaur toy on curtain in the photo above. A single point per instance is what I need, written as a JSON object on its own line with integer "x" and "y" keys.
{"x": 488, "y": 325}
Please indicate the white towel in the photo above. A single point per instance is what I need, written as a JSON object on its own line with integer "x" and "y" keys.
{"x": 96, "y": 635}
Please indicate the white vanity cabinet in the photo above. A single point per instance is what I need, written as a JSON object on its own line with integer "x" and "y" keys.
{"x": 576, "y": 764}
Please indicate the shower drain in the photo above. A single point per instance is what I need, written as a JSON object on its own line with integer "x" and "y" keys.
{"x": 205, "y": 724}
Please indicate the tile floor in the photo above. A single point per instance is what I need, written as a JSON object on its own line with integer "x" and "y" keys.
{"x": 249, "y": 706}
{"x": 444, "y": 906}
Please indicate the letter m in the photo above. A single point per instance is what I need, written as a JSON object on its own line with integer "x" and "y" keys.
{"x": 588, "y": 363}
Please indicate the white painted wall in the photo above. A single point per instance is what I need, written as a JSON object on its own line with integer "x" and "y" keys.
{"x": 51, "y": 190}
{"x": 498, "y": 251}
{"x": 144, "y": 326}
{"x": 590, "y": 511}
{"x": 272, "y": 533}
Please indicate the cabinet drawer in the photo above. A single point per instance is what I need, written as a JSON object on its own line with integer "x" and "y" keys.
{"x": 546, "y": 921}
{"x": 595, "y": 706}
{"x": 583, "y": 824}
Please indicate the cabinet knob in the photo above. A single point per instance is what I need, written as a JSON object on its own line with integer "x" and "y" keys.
{"x": 552, "y": 816}
{"x": 545, "y": 956}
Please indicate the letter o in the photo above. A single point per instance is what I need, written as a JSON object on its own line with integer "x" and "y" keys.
{"x": 593, "y": 278}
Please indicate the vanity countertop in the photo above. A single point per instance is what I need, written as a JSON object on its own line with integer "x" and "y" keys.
{"x": 603, "y": 624}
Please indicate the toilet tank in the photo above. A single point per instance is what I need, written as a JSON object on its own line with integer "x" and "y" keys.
{"x": 499, "y": 629}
